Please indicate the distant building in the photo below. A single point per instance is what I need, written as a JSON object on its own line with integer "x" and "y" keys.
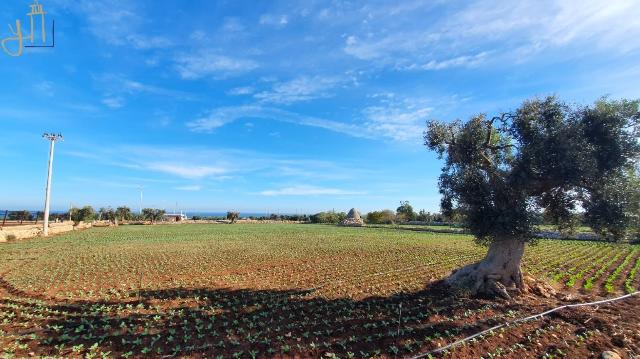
{"x": 175, "y": 217}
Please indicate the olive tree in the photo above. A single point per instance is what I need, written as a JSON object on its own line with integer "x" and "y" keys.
{"x": 546, "y": 156}
{"x": 153, "y": 214}
{"x": 123, "y": 213}
{"x": 21, "y": 216}
{"x": 84, "y": 214}
{"x": 233, "y": 216}
{"x": 107, "y": 214}
{"x": 405, "y": 212}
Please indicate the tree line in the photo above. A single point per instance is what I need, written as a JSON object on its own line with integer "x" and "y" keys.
{"x": 89, "y": 214}
{"x": 403, "y": 214}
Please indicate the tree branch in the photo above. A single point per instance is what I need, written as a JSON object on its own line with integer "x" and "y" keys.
{"x": 500, "y": 147}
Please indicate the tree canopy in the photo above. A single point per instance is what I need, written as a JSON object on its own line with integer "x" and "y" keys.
{"x": 381, "y": 217}
{"x": 405, "y": 212}
{"x": 84, "y": 214}
{"x": 124, "y": 213}
{"x": 501, "y": 173}
{"x": 233, "y": 216}
{"x": 545, "y": 156}
{"x": 21, "y": 216}
{"x": 153, "y": 214}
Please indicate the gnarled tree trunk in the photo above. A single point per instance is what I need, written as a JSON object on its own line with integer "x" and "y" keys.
{"x": 497, "y": 274}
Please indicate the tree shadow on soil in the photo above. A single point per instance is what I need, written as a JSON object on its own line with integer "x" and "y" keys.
{"x": 247, "y": 323}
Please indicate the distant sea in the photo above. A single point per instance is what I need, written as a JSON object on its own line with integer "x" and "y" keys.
{"x": 242, "y": 214}
{"x": 196, "y": 213}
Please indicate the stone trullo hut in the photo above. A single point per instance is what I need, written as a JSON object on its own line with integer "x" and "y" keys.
{"x": 353, "y": 219}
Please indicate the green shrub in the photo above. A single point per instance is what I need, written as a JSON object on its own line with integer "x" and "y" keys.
{"x": 381, "y": 217}
{"x": 328, "y": 217}
{"x": 405, "y": 212}
{"x": 84, "y": 214}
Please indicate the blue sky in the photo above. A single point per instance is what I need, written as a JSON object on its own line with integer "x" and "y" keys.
{"x": 283, "y": 106}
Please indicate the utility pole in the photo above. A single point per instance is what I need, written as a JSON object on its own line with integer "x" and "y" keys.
{"x": 140, "y": 188}
{"x": 52, "y": 138}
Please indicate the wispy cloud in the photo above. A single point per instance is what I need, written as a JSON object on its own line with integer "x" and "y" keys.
{"x": 243, "y": 90}
{"x": 45, "y": 88}
{"x": 274, "y": 20}
{"x": 132, "y": 87}
{"x": 397, "y": 120}
{"x": 143, "y": 42}
{"x": 193, "y": 188}
{"x": 117, "y": 22}
{"x": 201, "y": 163}
{"x": 118, "y": 90}
{"x": 186, "y": 171}
{"x": 211, "y": 64}
{"x": 232, "y": 25}
{"x": 113, "y": 102}
{"x": 189, "y": 163}
{"x": 97, "y": 182}
{"x": 385, "y": 47}
{"x": 400, "y": 120}
{"x": 551, "y": 24}
{"x": 302, "y": 88}
{"x": 222, "y": 116}
{"x": 510, "y": 30}
{"x": 310, "y": 191}
{"x": 459, "y": 61}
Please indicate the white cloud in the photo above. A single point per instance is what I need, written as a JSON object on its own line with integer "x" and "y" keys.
{"x": 45, "y": 88}
{"x": 232, "y": 24}
{"x": 194, "y": 188}
{"x": 274, "y": 20}
{"x": 186, "y": 170}
{"x": 210, "y": 64}
{"x": 304, "y": 190}
{"x": 398, "y": 120}
{"x": 303, "y": 88}
{"x": 201, "y": 163}
{"x": 117, "y": 22}
{"x": 224, "y": 115}
{"x": 460, "y": 61}
{"x": 113, "y": 102}
{"x": 152, "y": 61}
{"x": 386, "y": 48}
{"x": 119, "y": 86}
{"x": 244, "y": 90}
{"x": 401, "y": 121}
{"x": 132, "y": 86}
{"x": 110, "y": 20}
{"x": 143, "y": 42}
{"x": 198, "y": 35}
{"x": 509, "y": 30}
{"x": 550, "y": 23}
{"x": 159, "y": 119}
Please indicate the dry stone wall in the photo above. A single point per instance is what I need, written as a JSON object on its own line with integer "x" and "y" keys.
{"x": 33, "y": 230}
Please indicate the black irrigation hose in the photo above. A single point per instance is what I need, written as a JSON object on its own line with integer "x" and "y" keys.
{"x": 531, "y": 317}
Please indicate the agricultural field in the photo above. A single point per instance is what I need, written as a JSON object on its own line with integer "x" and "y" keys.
{"x": 270, "y": 290}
